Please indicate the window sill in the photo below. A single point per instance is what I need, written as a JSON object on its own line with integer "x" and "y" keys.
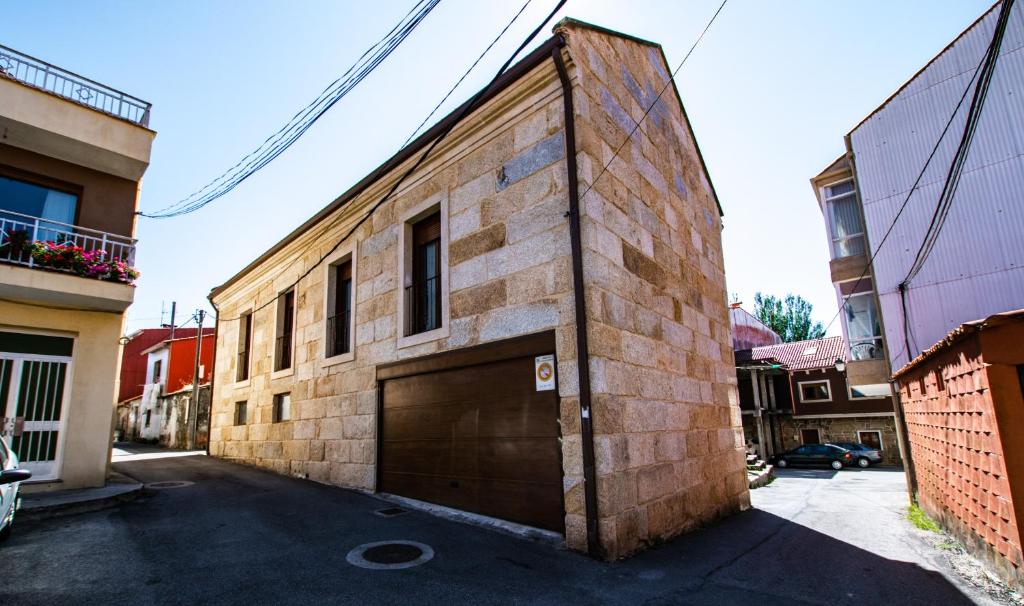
{"x": 423, "y": 337}
{"x": 803, "y": 401}
{"x": 283, "y": 373}
{"x": 241, "y": 384}
{"x": 338, "y": 359}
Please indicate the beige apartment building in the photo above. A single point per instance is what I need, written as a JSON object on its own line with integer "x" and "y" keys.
{"x": 431, "y": 347}
{"x": 72, "y": 155}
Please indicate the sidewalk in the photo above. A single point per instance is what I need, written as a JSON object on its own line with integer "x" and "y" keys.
{"x": 41, "y": 505}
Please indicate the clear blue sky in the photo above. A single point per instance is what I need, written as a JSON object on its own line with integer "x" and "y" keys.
{"x": 771, "y": 91}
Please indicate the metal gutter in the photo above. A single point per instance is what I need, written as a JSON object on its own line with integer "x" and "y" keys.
{"x": 582, "y": 348}
{"x": 213, "y": 376}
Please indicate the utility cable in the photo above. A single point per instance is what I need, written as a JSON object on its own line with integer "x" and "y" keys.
{"x": 280, "y": 141}
{"x": 471, "y": 67}
{"x": 671, "y": 79}
{"x": 467, "y": 107}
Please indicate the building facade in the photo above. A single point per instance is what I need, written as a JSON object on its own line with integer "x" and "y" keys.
{"x": 161, "y": 410}
{"x": 799, "y": 393}
{"x": 72, "y": 156}
{"x": 435, "y": 352}
{"x": 976, "y": 267}
{"x": 964, "y": 406}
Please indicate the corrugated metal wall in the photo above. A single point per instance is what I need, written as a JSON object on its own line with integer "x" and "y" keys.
{"x": 977, "y": 266}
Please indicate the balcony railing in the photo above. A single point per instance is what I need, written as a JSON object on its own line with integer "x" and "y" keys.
{"x": 339, "y": 339}
{"x": 283, "y": 352}
{"x": 423, "y": 306}
{"x": 18, "y": 232}
{"x": 44, "y": 76}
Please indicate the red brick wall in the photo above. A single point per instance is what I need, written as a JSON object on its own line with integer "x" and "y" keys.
{"x": 958, "y": 451}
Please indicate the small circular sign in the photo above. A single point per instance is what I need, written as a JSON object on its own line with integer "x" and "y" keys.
{"x": 545, "y": 371}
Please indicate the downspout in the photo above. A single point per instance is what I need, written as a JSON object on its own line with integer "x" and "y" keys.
{"x": 213, "y": 375}
{"x": 582, "y": 349}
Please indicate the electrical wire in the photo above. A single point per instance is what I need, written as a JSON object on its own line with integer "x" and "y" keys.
{"x": 280, "y": 141}
{"x": 467, "y": 107}
{"x": 956, "y": 168}
{"x": 906, "y": 200}
{"x": 671, "y": 79}
{"x": 471, "y": 67}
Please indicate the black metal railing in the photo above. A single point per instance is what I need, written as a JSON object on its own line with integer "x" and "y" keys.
{"x": 423, "y": 306}
{"x": 283, "y": 352}
{"x": 339, "y": 334}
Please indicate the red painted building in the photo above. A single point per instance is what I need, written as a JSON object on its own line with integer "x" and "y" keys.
{"x": 135, "y": 357}
{"x": 181, "y": 361}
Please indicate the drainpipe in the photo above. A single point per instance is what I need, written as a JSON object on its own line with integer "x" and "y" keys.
{"x": 213, "y": 375}
{"x": 582, "y": 349}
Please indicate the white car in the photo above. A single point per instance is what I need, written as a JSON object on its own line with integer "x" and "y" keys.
{"x": 10, "y": 476}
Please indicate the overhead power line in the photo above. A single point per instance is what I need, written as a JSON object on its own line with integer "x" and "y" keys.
{"x": 280, "y": 141}
{"x": 671, "y": 79}
{"x": 469, "y": 106}
{"x": 985, "y": 65}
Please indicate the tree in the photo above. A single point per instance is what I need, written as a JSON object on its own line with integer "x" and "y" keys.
{"x": 789, "y": 317}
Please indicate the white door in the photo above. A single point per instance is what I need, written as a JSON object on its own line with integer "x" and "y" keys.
{"x": 35, "y": 389}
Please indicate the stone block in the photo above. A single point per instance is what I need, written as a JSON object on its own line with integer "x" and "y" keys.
{"x": 531, "y": 160}
{"x": 477, "y": 243}
{"x": 479, "y": 299}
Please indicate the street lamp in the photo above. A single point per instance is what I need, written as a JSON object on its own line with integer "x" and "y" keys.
{"x": 840, "y": 365}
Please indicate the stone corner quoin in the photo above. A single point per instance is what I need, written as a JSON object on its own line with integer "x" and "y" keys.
{"x": 667, "y": 432}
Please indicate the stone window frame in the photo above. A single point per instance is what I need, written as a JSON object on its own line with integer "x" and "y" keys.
{"x": 432, "y": 204}
{"x": 277, "y": 408}
{"x": 248, "y": 310}
{"x": 800, "y": 391}
{"x": 881, "y": 442}
{"x": 241, "y": 406}
{"x": 350, "y": 253}
{"x": 284, "y": 372}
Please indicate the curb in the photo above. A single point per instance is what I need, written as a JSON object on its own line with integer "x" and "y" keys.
{"x": 51, "y": 505}
{"x": 763, "y": 478}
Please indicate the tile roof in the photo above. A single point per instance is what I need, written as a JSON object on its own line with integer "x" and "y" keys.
{"x": 803, "y": 355}
{"x": 959, "y": 333}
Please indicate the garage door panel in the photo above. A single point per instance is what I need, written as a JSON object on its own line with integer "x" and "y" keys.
{"x": 511, "y": 377}
{"x": 477, "y": 437}
{"x": 522, "y": 460}
{"x": 531, "y": 504}
{"x": 485, "y": 418}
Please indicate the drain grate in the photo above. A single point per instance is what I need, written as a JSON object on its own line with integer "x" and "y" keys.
{"x": 390, "y": 555}
{"x": 390, "y": 512}
{"x": 168, "y": 484}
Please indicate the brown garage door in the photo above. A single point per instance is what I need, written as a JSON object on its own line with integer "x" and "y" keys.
{"x": 469, "y": 430}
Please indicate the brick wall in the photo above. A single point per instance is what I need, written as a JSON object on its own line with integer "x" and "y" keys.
{"x": 957, "y": 446}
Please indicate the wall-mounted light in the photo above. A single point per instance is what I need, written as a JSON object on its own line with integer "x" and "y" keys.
{"x": 840, "y": 365}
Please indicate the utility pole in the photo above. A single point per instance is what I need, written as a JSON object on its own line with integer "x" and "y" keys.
{"x": 194, "y": 400}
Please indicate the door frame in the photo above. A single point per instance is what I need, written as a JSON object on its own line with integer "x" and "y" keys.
{"x": 11, "y": 407}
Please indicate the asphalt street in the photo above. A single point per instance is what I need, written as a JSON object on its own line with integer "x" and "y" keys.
{"x": 240, "y": 535}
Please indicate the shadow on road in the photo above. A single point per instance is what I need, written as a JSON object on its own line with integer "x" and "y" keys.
{"x": 244, "y": 534}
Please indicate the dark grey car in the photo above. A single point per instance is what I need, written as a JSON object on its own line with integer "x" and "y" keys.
{"x": 864, "y": 455}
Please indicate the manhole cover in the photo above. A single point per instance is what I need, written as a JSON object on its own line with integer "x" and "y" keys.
{"x": 390, "y": 555}
{"x": 169, "y": 484}
{"x": 390, "y": 512}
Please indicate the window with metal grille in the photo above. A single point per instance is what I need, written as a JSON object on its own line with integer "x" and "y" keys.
{"x": 285, "y": 330}
{"x": 339, "y": 315}
{"x": 244, "y": 340}
{"x": 423, "y": 296}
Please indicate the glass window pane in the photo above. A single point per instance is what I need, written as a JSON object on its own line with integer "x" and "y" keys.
{"x": 862, "y": 318}
{"x": 37, "y": 201}
{"x": 846, "y": 187}
{"x": 845, "y": 222}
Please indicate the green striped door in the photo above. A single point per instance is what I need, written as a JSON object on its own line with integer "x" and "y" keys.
{"x": 34, "y": 389}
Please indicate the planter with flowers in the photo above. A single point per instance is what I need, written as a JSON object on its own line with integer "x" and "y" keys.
{"x": 64, "y": 256}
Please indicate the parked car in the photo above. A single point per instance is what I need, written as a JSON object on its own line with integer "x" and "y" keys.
{"x": 10, "y": 476}
{"x": 863, "y": 455}
{"x": 815, "y": 454}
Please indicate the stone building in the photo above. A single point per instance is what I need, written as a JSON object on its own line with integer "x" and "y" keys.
{"x": 799, "y": 393}
{"x": 429, "y": 346}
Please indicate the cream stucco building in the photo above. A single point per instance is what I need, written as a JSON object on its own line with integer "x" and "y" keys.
{"x": 72, "y": 155}
{"x": 431, "y": 346}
